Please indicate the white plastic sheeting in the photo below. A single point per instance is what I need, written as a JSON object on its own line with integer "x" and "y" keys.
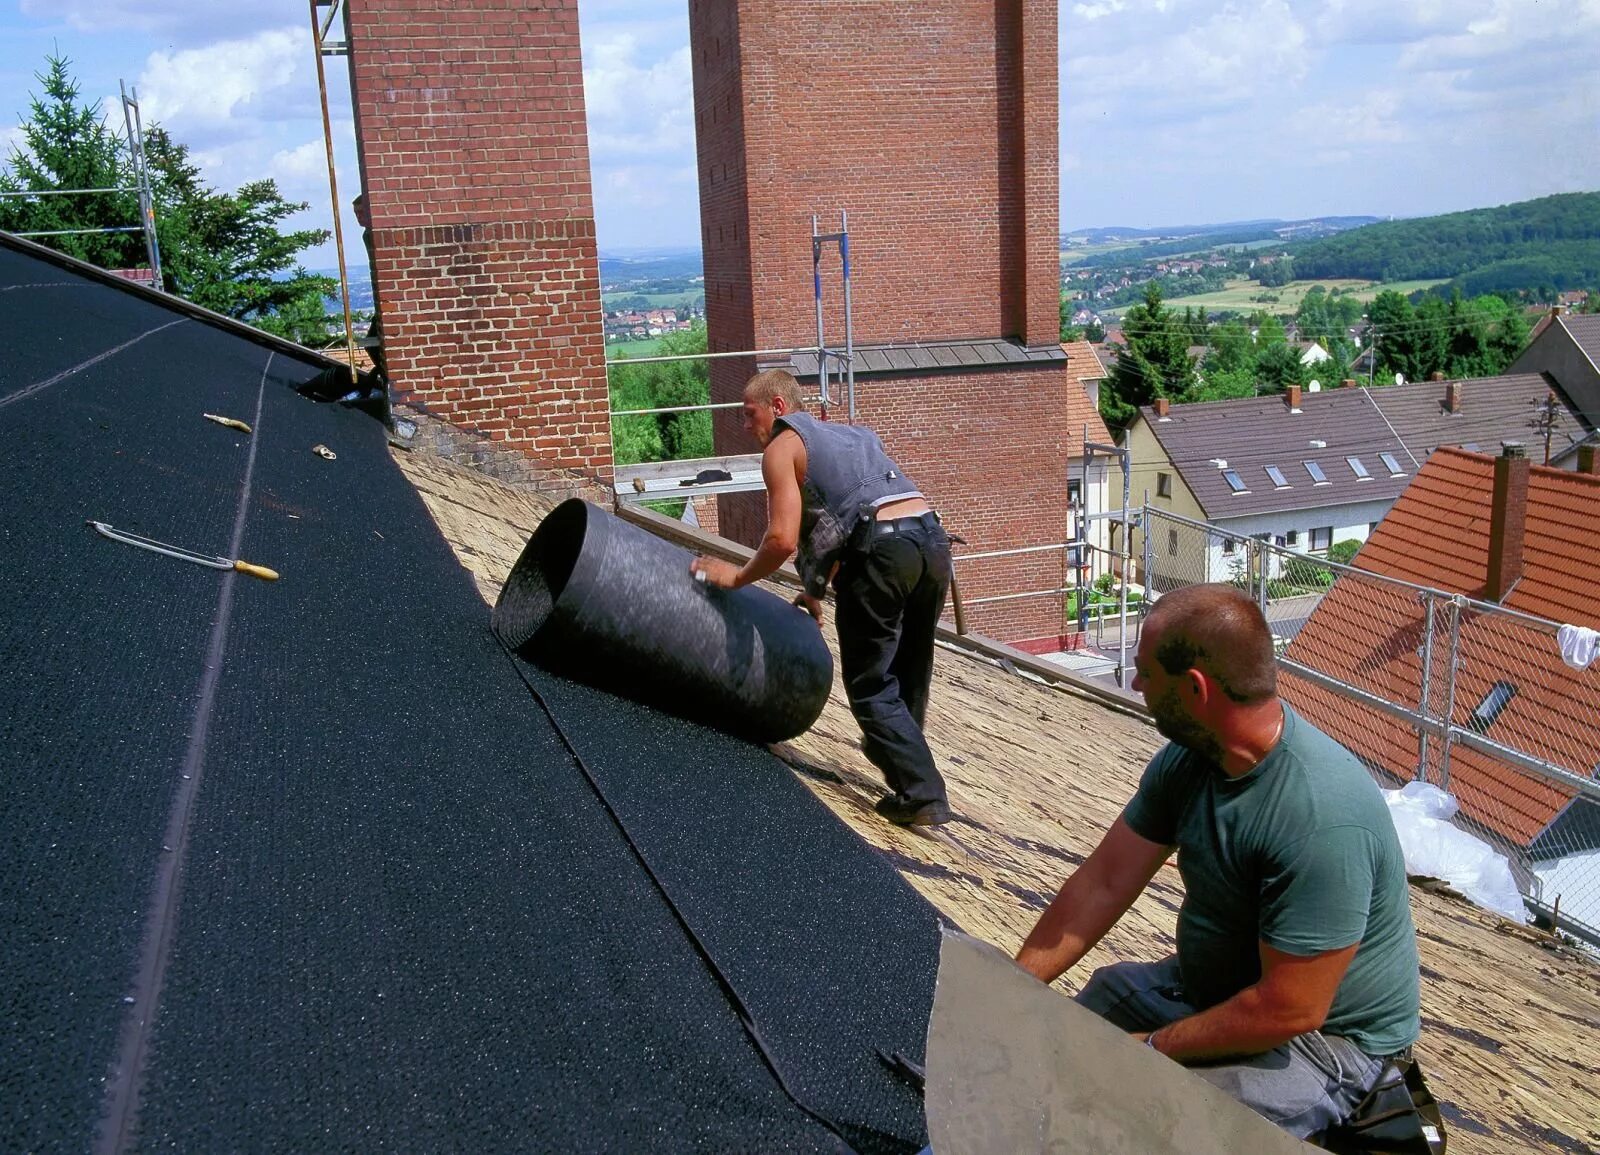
{"x": 1436, "y": 849}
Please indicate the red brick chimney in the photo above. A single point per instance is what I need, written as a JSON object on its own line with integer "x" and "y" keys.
{"x": 1348, "y": 383}
{"x": 1163, "y": 408}
{"x": 1292, "y": 396}
{"x": 1436, "y": 375}
{"x": 949, "y": 170}
{"x": 1452, "y": 397}
{"x": 1588, "y": 462}
{"x": 475, "y": 162}
{"x": 1508, "y": 518}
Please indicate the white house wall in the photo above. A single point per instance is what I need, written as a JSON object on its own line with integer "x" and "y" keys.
{"x": 1349, "y": 523}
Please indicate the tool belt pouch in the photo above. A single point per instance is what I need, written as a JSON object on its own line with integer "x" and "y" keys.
{"x": 823, "y": 540}
{"x": 1399, "y": 1116}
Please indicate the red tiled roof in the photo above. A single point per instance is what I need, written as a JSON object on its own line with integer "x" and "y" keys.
{"x": 1083, "y": 366}
{"x": 1370, "y": 635}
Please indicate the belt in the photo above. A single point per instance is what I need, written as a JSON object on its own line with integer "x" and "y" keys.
{"x": 905, "y": 524}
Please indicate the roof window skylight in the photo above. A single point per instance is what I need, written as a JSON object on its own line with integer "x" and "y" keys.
{"x": 1317, "y": 476}
{"x": 1493, "y": 704}
{"x": 1391, "y": 464}
{"x": 1357, "y": 468}
{"x": 1235, "y": 482}
{"x": 1278, "y": 479}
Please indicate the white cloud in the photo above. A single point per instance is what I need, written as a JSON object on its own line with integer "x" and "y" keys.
{"x": 1097, "y": 10}
{"x": 636, "y": 105}
{"x": 210, "y": 86}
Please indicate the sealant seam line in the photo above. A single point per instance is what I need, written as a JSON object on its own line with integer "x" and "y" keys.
{"x": 120, "y": 1105}
{"x": 729, "y": 991}
{"x": 40, "y": 386}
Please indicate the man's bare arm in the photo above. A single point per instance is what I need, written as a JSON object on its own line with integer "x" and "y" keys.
{"x": 780, "y": 471}
{"x": 1292, "y": 997}
{"x": 1091, "y": 901}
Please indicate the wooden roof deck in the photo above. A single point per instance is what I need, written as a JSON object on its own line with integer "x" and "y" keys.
{"x": 1510, "y": 1017}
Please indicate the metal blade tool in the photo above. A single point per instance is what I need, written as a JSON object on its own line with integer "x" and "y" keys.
{"x": 133, "y": 539}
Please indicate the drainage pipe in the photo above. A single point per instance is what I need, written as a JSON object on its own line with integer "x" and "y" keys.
{"x": 604, "y": 602}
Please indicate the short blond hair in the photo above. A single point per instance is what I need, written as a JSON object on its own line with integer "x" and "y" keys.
{"x": 763, "y": 387}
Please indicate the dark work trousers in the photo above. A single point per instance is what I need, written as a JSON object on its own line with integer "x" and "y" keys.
{"x": 889, "y": 601}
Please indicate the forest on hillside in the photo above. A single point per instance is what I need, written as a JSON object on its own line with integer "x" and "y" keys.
{"x": 1553, "y": 242}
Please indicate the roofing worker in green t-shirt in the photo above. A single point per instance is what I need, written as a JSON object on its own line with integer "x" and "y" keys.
{"x": 1296, "y": 971}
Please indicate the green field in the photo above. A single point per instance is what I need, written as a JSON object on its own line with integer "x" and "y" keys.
{"x": 679, "y": 300}
{"x": 647, "y": 348}
{"x": 1245, "y": 296}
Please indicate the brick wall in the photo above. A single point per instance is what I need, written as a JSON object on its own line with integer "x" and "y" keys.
{"x": 934, "y": 125}
{"x": 474, "y": 157}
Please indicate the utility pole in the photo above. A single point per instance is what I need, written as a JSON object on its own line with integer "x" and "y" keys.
{"x": 1545, "y": 421}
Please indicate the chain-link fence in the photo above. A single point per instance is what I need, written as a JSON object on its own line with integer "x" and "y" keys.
{"x": 1426, "y": 685}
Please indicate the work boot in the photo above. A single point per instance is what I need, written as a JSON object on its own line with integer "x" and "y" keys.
{"x": 906, "y": 812}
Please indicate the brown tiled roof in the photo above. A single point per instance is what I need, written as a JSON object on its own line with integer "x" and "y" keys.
{"x": 1585, "y": 330}
{"x": 1083, "y": 367}
{"x": 1370, "y": 635}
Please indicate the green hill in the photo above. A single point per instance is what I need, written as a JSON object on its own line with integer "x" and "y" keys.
{"x": 1553, "y": 241}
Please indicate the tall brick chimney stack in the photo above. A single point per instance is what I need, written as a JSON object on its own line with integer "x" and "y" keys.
{"x": 1588, "y": 460}
{"x": 1508, "y": 517}
{"x": 935, "y": 127}
{"x": 1452, "y": 397}
{"x": 475, "y": 162}
{"x": 1291, "y": 397}
{"x": 1163, "y": 408}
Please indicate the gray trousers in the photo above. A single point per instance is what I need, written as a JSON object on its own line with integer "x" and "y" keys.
{"x": 1305, "y": 1086}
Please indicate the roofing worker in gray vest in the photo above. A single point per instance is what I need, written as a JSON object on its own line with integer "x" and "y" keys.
{"x": 835, "y": 498}
{"x": 1295, "y": 976}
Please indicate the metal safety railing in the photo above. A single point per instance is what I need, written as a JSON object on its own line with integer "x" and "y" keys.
{"x": 1428, "y": 685}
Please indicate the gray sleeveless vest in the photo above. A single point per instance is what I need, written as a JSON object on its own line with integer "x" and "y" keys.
{"x": 848, "y": 477}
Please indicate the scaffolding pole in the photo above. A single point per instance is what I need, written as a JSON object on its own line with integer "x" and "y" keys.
{"x": 147, "y": 203}
{"x": 320, "y": 49}
{"x": 842, "y": 239}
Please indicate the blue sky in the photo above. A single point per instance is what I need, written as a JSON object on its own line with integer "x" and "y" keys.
{"x": 1173, "y": 111}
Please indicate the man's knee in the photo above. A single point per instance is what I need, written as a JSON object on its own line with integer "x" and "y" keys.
{"x": 1136, "y": 996}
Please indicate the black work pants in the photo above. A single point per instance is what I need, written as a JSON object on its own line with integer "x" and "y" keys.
{"x": 890, "y": 597}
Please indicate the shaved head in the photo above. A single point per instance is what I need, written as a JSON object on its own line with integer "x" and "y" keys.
{"x": 763, "y": 387}
{"x": 1219, "y": 630}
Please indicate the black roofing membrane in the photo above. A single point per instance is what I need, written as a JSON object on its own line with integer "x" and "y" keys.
{"x": 405, "y": 919}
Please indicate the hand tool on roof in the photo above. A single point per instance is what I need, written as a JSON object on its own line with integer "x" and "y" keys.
{"x": 236, "y": 564}
{"x": 230, "y": 422}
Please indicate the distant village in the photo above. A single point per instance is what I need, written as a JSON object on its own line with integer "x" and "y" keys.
{"x": 642, "y": 324}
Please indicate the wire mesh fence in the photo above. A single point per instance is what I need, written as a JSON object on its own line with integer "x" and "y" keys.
{"x": 1427, "y": 685}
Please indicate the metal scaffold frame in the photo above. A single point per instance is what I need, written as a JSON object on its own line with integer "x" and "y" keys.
{"x": 134, "y": 126}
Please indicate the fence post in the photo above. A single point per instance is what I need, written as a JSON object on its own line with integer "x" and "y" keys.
{"x": 1264, "y": 565}
{"x": 1425, "y": 701}
{"x": 1144, "y": 526}
{"x": 1453, "y": 609}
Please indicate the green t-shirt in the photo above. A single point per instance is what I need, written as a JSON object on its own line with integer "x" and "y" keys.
{"x": 1300, "y": 853}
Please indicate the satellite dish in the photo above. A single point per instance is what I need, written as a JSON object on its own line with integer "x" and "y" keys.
{"x": 1314, "y": 387}
{"x": 1399, "y": 378}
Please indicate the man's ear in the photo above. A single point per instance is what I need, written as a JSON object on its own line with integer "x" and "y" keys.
{"x": 780, "y": 407}
{"x": 1198, "y": 684}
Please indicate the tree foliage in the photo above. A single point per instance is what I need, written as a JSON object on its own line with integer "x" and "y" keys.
{"x": 1154, "y": 364}
{"x": 1552, "y": 242}
{"x": 225, "y": 251}
{"x": 663, "y": 436}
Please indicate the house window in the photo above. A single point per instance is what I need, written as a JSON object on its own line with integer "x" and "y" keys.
{"x": 1321, "y": 539}
{"x": 1493, "y": 704}
{"x": 1163, "y": 485}
{"x": 1235, "y": 482}
{"x": 1172, "y": 542}
{"x": 1357, "y": 468}
{"x": 1279, "y": 481}
{"x": 1317, "y": 476}
{"x": 1292, "y": 537}
{"x": 1075, "y": 493}
{"x": 1391, "y": 464}
{"x": 1228, "y": 546}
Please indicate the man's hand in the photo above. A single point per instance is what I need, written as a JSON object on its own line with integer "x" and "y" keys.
{"x": 715, "y": 571}
{"x": 811, "y": 605}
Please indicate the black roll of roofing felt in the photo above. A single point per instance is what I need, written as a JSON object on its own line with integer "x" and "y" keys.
{"x": 603, "y": 602}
